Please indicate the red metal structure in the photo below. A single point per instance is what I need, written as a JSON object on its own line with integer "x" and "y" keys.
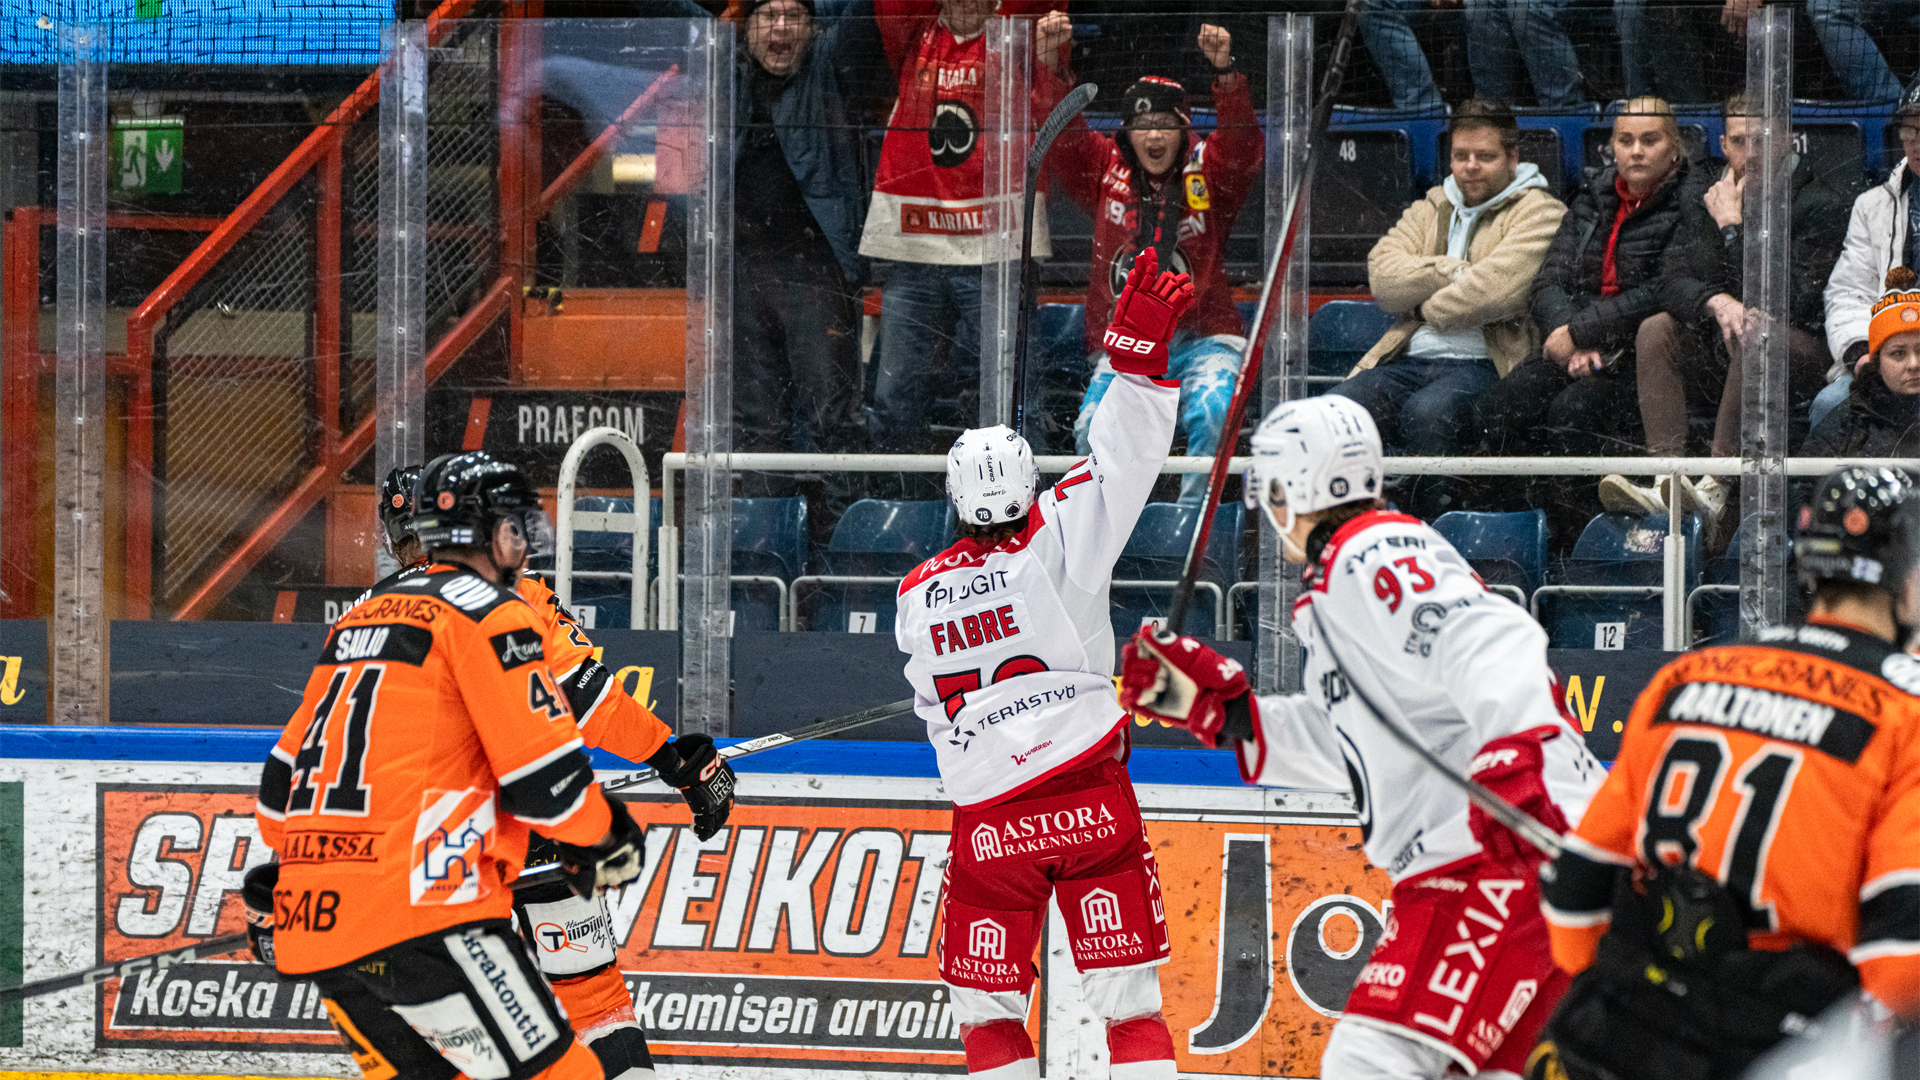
{"x": 319, "y": 162}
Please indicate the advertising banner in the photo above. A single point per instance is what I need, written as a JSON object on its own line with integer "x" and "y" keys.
{"x": 798, "y": 940}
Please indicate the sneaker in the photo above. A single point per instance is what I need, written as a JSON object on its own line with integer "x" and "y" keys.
{"x": 1707, "y": 497}
{"x": 1622, "y": 496}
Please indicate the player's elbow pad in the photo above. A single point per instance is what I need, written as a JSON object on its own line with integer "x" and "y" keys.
{"x": 585, "y": 687}
{"x": 547, "y": 791}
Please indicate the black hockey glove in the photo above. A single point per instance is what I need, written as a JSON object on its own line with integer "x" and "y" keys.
{"x": 256, "y": 892}
{"x": 610, "y": 863}
{"x": 691, "y": 764}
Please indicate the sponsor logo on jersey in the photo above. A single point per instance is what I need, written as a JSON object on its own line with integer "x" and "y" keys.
{"x": 1021, "y": 758}
{"x": 1523, "y": 994}
{"x": 450, "y": 837}
{"x": 328, "y": 847}
{"x": 517, "y": 647}
{"x": 942, "y": 594}
{"x": 1773, "y": 715}
{"x": 454, "y": 1030}
{"x": 1899, "y": 669}
{"x": 973, "y": 630}
{"x": 1044, "y": 833}
{"x": 1377, "y": 973}
{"x": 938, "y": 221}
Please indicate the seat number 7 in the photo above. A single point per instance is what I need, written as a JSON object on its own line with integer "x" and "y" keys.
{"x": 952, "y": 687}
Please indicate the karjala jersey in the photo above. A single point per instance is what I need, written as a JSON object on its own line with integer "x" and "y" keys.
{"x": 1011, "y": 647}
{"x": 1456, "y": 664}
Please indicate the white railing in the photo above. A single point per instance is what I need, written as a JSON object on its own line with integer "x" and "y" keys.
{"x": 572, "y": 521}
{"x": 1676, "y": 601}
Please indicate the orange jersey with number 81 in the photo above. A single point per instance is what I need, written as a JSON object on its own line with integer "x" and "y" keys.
{"x": 1788, "y": 769}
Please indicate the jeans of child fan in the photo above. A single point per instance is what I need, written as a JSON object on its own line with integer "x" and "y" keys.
{"x": 1396, "y": 52}
{"x": 922, "y": 307}
{"x": 1207, "y": 369}
{"x": 1503, "y": 34}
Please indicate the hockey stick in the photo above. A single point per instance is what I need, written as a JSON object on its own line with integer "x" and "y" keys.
{"x": 159, "y": 961}
{"x": 819, "y": 730}
{"x": 1263, "y": 314}
{"x": 1523, "y": 824}
{"x": 1070, "y": 106}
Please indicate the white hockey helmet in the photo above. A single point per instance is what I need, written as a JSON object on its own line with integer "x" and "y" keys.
{"x": 1314, "y": 454}
{"x": 991, "y": 476}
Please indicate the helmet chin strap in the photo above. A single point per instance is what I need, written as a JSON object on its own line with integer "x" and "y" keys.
{"x": 1284, "y": 525}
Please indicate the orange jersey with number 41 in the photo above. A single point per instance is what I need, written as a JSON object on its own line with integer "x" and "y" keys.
{"x": 1788, "y": 769}
{"x": 431, "y": 735}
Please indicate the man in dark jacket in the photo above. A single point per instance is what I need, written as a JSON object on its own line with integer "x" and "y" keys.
{"x": 1688, "y": 354}
{"x": 1600, "y": 280}
{"x": 799, "y": 200}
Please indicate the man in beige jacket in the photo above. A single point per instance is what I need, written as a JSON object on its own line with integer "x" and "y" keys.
{"x": 1457, "y": 268}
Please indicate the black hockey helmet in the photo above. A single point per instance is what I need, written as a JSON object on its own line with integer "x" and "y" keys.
{"x": 1860, "y": 525}
{"x": 396, "y": 504}
{"x": 458, "y": 499}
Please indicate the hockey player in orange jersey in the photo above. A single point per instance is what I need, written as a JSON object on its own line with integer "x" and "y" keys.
{"x": 399, "y": 799}
{"x": 571, "y": 936}
{"x": 1754, "y": 856}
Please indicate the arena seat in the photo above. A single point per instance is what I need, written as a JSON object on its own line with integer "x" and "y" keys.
{"x": 1616, "y": 552}
{"x": 1339, "y": 333}
{"x": 1879, "y": 146}
{"x": 604, "y": 552}
{"x": 1157, "y": 551}
{"x": 874, "y": 538}
{"x": 769, "y": 541}
{"x": 1504, "y": 549}
{"x": 1716, "y": 615}
{"x": 1835, "y": 151}
{"x": 1378, "y": 159}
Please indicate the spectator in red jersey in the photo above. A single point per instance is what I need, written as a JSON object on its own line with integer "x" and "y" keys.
{"x": 924, "y": 222}
{"x": 1158, "y": 186}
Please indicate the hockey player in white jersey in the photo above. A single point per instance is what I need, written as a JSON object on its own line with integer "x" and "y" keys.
{"x": 1011, "y": 654}
{"x": 1462, "y": 978}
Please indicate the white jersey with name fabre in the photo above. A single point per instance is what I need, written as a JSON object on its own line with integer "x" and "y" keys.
{"x": 1010, "y": 649}
{"x": 1458, "y": 665}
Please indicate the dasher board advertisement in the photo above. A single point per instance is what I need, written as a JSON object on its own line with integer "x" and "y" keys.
{"x": 797, "y": 941}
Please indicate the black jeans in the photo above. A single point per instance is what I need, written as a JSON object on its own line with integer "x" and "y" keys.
{"x": 1538, "y": 410}
{"x": 796, "y": 356}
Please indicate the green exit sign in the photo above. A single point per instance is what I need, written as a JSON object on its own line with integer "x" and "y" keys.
{"x": 147, "y": 152}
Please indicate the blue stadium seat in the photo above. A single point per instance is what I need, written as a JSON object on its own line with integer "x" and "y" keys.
{"x": 1567, "y": 128}
{"x": 1716, "y": 615}
{"x": 1157, "y": 551}
{"x": 1377, "y": 160}
{"x": 1505, "y": 549}
{"x": 877, "y": 537}
{"x": 1340, "y": 333}
{"x": 1617, "y": 550}
{"x": 610, "y": 551}
{"x": 769, "y": 540}
{"x": 1878, "y": 146}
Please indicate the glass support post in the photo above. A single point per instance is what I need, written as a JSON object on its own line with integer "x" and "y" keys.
{"x": 706, "y": 95}
{"x": 1006, "y": 132}
{"x": 400, "y": 378}
{"x": 79, "y": 634}
{"x": 1767, "y": 215}
{"x": 1283, "y": 372}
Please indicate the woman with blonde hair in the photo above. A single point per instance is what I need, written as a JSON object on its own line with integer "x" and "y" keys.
{"x": 1577, "y": 396}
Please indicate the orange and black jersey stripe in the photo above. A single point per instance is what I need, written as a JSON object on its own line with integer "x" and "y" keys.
{"x": 1790, "y": 770}
{"x": 609, "y": 718}
{"x": 432, "y": 734}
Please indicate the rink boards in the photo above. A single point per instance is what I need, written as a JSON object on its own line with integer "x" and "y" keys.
{"x": 797, "y": 941}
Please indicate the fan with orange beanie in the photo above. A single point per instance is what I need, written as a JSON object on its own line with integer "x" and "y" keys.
{"x": 1881, "y": 416}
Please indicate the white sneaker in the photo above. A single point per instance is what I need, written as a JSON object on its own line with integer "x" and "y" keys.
{"x": 1622, "y": 496}
{"x": 1708, "y": 497}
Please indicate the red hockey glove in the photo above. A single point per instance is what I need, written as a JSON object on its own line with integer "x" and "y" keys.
{"x": 1181, "y": 681}
{"x": 1144, "y": 317}
{"x": 1510, "y": 768}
